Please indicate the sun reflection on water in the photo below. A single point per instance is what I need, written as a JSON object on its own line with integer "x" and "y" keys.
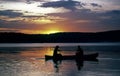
{"x": 37, "y": 52}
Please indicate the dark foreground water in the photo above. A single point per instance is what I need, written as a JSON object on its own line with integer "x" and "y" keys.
{"x": 28, "y": 60}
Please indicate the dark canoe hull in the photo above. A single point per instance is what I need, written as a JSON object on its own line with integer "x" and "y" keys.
{"x": 89, "y": 57}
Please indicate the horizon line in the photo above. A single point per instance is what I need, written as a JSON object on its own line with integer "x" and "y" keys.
{"x": 58, "y": 32}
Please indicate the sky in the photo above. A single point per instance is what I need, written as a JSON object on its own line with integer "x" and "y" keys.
{"x": 51, "y": 16}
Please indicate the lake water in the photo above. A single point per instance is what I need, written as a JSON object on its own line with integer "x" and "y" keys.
{"x": 27, "y": 59}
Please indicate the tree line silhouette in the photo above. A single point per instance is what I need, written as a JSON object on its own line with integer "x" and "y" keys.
{"x": 62, "y": 37}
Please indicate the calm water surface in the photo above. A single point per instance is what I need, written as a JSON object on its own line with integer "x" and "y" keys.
{"x": 28, "y": 60}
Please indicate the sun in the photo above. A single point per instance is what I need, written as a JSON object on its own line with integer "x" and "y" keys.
{"x": 51, "y": 32}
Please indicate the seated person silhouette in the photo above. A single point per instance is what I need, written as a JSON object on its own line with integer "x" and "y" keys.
{"x": 79, "y": 58}
{"x": 79, "y": 54}
{"x": 56, "y": 56}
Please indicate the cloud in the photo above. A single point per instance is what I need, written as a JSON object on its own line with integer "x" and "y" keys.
{"x": 8, "y": 30}
{"x": 116, "y": 12}
{"x": 113, "y": 18}
{"x": 95, "y": 5}
{"x": 92, "y": 21}
{"x": 18, "y": 25}
{"x": 66, "y": 4}
{"x": 27, "y": 1}
{"x": 10, "y": 13}
{"x": 84, "y": 14}
{"x": 10, "y": 0}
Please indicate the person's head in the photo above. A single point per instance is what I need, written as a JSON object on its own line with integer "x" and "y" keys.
{"x": 78, "y": 46}
{"x": 57, "y": 46}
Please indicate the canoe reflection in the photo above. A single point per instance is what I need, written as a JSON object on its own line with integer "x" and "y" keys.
{"x": 79, "y": 64}
{"x": 57, "y": 64}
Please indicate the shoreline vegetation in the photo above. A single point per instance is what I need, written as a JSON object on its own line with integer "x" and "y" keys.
{"x": 62, "y": 37}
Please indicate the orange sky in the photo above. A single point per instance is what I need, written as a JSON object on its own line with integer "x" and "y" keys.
{"x": 52, "y": 16}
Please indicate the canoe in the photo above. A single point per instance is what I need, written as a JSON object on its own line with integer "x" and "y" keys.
{"x": 87, "y": 57}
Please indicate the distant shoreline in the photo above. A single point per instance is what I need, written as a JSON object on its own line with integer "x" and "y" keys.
{"x": 65, "y": 37}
